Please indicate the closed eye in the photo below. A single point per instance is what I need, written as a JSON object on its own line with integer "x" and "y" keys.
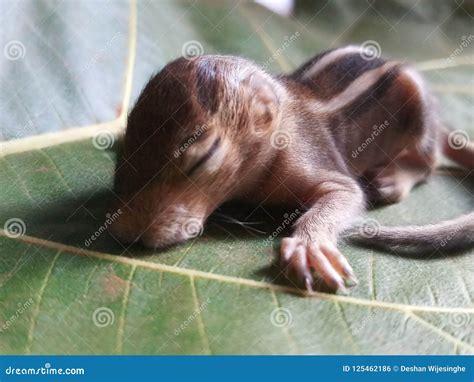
{"x": 215, "y": 145}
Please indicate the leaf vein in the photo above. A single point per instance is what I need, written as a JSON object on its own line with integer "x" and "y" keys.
{"x": 232, "y": 279}
{"x": 285, "y": 328}
{"x": 123, "y": 312}
{"x": 440, "y": 331}
{"x": 200, "y": 322}
{"x": 38, "y": 304}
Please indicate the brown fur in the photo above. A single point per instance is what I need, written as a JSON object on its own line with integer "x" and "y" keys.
{"x": 238, "y": 156}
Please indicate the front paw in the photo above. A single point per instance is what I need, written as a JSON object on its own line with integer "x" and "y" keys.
{"x": 298, "y": 259}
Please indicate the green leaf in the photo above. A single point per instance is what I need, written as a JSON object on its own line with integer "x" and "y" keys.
{"x": 218, "y": 293}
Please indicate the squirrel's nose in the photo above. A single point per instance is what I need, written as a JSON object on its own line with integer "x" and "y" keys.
{"x": 123, "y": 232}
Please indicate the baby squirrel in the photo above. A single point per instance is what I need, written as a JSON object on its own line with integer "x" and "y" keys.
{"x": 299, "y": 140}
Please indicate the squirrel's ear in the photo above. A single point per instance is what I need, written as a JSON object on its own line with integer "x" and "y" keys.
{"x": 264, "y": 103}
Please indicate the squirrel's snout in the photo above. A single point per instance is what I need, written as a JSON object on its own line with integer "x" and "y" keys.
{"x": 172, "y": 226}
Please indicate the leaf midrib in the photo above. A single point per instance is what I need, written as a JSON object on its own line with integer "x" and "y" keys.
{"x": 190, "y": 272}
